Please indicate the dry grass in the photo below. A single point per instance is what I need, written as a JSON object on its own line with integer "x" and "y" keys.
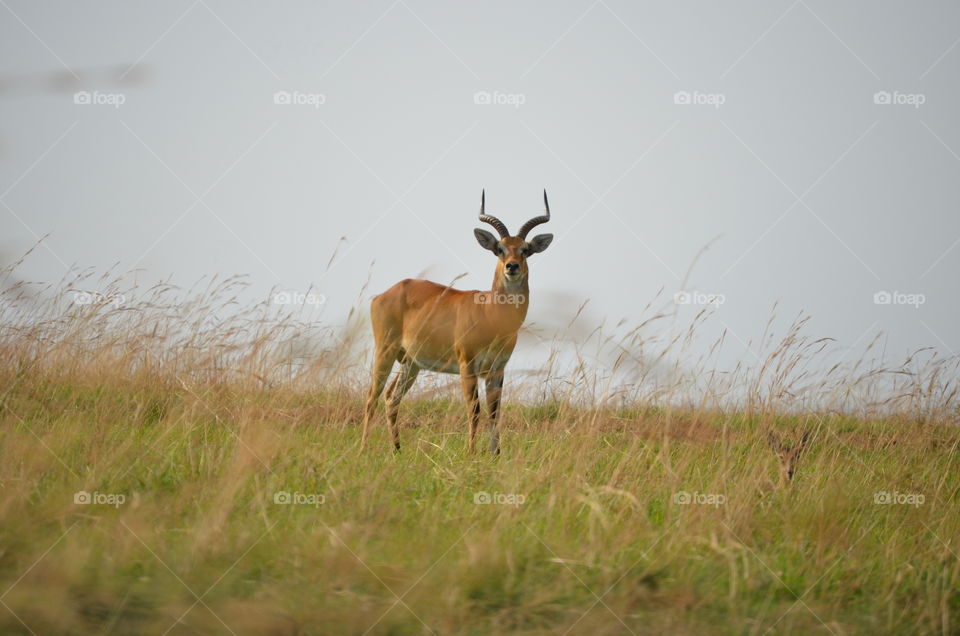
{"x": 198, "y": 412}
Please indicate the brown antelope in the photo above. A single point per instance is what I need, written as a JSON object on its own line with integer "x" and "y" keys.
{"x": 425, "y": 325}
{"x": 789, "y": 455}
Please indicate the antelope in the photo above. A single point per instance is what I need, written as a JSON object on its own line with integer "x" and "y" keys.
{"x": 789, "y": 455}
{"x": 425, "y": 325}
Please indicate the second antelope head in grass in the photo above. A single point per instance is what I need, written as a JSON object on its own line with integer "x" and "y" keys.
{"x": 788, "y": 453}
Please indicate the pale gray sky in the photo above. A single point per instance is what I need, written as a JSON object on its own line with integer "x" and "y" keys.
{"x": 820, "y": 196}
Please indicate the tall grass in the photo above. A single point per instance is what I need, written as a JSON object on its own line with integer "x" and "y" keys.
{"x": 636, "y": 491}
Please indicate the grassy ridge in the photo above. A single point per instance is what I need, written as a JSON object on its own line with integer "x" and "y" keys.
{"x": 602, "y": 542}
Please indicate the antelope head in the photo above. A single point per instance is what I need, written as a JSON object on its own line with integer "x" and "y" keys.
{"x": 512, "y": 252}
{"x": 789, "y": 455}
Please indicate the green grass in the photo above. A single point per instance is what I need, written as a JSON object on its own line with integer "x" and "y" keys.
{"x": 197, "y": 426}
{"x": 599, "y": 545}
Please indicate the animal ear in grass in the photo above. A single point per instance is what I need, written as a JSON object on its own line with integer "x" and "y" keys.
{"x": 775, "y": 441}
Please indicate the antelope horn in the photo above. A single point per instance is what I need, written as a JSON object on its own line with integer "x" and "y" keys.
{"x": 492, "y": 220}
{"x": 535, "y": 221}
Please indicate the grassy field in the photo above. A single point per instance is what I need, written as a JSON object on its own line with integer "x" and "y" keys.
{"x": 587, "y": 530}
{"x": 138, "y": 495}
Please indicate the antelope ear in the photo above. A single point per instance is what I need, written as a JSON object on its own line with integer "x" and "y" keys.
{"x": 539, "y": 243}
{"x": 487, "y": 240}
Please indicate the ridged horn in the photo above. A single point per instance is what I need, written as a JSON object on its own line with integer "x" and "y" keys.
{"x": 492, "y": 220}
{"x": 537, "y": 220}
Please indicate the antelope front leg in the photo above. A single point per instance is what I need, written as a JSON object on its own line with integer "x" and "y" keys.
{"x": 494, "y": 385}
{"x": 468, "y": 380}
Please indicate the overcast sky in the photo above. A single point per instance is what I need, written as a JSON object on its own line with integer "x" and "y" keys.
{"x": 813, "y": 145}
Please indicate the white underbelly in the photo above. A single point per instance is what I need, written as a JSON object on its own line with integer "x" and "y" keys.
{"x": 440, "y": 366}
{"x": 482, "y": 364}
